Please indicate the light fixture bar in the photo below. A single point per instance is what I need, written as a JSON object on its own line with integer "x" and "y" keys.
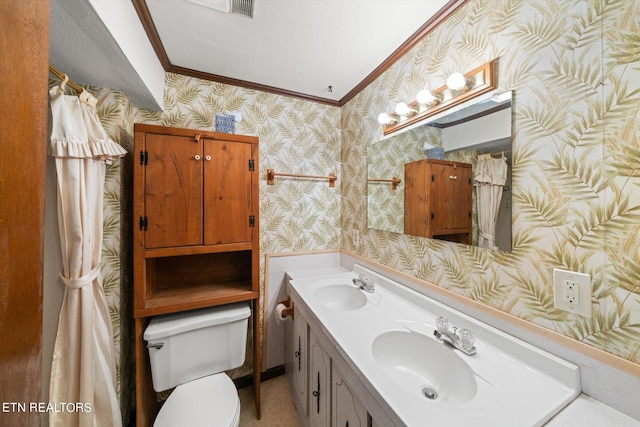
{"x": 477, "y": 81}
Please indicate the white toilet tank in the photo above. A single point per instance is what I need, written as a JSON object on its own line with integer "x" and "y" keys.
{"x": 193, "y": 344}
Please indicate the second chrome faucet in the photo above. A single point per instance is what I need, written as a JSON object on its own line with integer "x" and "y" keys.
{"x": 365, "y": 283}
{"x": 462, "y": 339}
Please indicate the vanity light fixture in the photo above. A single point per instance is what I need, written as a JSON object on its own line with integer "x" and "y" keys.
{"x": 425, "y": 97}
{"x": 457, "y": 81}
{"x": 385, "y": 119}
{"x": 458, "y": 88}
{"x": 402, "y": 109}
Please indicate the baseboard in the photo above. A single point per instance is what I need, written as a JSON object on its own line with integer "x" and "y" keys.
{"x": 270, "y": 373}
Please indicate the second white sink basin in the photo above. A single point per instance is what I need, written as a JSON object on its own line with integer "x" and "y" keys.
{"x": 341, "y": 297}
{"x": 424, "y": 367}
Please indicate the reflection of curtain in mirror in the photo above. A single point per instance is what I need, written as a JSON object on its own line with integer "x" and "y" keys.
{"x": 489, "y": 179}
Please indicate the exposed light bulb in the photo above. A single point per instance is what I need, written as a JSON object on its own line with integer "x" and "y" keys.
{"x": 456, "y": 81}
{"x": 425, "y": 97}
{"x": 384, "y": 119}
{"x": 402, "y": 109}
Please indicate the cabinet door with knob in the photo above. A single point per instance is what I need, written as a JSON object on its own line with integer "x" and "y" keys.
{"x": 227, "y": 191}
{"x": 300, "y": 357}
{"x": 347, "y": 410}
{"x": 173, "y": 191}
{"x": 319, "y": 384}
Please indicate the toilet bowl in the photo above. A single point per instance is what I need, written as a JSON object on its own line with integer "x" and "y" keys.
{"x": 190, "y": 351}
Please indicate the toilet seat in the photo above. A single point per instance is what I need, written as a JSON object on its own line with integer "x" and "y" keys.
{"x": 207, "y": 401}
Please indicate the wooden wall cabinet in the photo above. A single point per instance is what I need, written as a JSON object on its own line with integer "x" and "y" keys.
{"x": 438, "y": 198}
{"x": 196, "y": 233}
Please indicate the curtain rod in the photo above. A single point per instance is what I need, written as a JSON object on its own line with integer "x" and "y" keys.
{"x": 62, "y": 76}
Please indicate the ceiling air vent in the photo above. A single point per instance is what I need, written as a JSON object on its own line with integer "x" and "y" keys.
{"x": 242, "y": 7}
{"x": 239, "y": 7}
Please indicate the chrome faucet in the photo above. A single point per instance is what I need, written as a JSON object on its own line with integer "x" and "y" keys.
{"x": 463, "y": 339}
{"x": 365, "y": 283}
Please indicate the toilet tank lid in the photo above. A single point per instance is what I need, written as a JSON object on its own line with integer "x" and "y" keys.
{"x": 175, "y": 323}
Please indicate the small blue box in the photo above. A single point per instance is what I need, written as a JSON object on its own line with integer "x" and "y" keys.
{"x": 436, "y": 153}
{"x": 225, "y": 123}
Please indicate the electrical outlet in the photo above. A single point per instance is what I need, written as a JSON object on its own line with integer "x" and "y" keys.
{"x": 356, "y": 238}
{"x": 572, "y": 291}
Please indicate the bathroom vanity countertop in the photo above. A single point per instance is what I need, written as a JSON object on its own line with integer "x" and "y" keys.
{"x": 394, "y": 322}
{"x": 586, "y": 411}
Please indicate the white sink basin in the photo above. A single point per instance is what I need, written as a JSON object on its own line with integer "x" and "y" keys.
{"x": 341, "y": 297}
{"x": 424, "y": 367}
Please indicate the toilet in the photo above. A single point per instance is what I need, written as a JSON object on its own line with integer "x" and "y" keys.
{"x": 190, "y": 351}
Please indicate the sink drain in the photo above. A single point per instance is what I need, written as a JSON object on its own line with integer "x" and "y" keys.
{"x": 429, "y": 393}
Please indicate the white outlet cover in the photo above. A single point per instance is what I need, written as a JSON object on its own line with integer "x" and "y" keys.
{"x": 584, "y": 291}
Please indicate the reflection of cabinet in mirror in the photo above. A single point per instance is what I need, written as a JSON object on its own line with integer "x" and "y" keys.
{"x": 437, "y": 200}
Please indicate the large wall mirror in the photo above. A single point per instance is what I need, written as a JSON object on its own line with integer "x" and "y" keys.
{"x": 478, "y": 134}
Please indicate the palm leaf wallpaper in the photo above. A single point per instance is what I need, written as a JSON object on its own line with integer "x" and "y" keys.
{"x": 574, "y": 67}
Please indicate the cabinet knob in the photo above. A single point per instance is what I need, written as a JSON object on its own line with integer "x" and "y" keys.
{"x": 453, "y": 177}
{"x": 197, "y": 157}
{"x": 207, "y": 157}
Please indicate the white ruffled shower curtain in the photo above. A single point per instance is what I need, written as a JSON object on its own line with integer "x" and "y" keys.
{"x": 83, "y": 368}
{"x": 489, "y": 179}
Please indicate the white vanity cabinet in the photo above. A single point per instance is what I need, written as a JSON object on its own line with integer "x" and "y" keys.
{"x": 322, "y": 396}
{"x": 347, "y": 410}
{"x": 319, "y": 384}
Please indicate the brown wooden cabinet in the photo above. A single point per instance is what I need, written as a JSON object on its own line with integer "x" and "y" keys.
{"x": 196, "y": 238}
{"x": 438, "y": 197}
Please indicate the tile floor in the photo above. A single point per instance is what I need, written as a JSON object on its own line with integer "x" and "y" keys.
{"x": 276, "y": 406}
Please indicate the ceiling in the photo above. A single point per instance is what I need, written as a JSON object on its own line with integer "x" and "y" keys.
{"x": 83, "y": 46}
{"x": 322, "y": 50}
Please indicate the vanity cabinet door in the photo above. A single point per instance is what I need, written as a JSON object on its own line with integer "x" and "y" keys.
{"x": 347, "y": 411}
{"x": 299, "y": 348}
{"x": 319, "y": 384}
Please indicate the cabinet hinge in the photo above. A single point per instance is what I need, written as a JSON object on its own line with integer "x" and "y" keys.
{"x": 433, "y": 178}
{"x": 144, "y": 158}
{"x": 143, "y": 223}
{"x": 252, "y": 220}
{"x": 252, "y": 165}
